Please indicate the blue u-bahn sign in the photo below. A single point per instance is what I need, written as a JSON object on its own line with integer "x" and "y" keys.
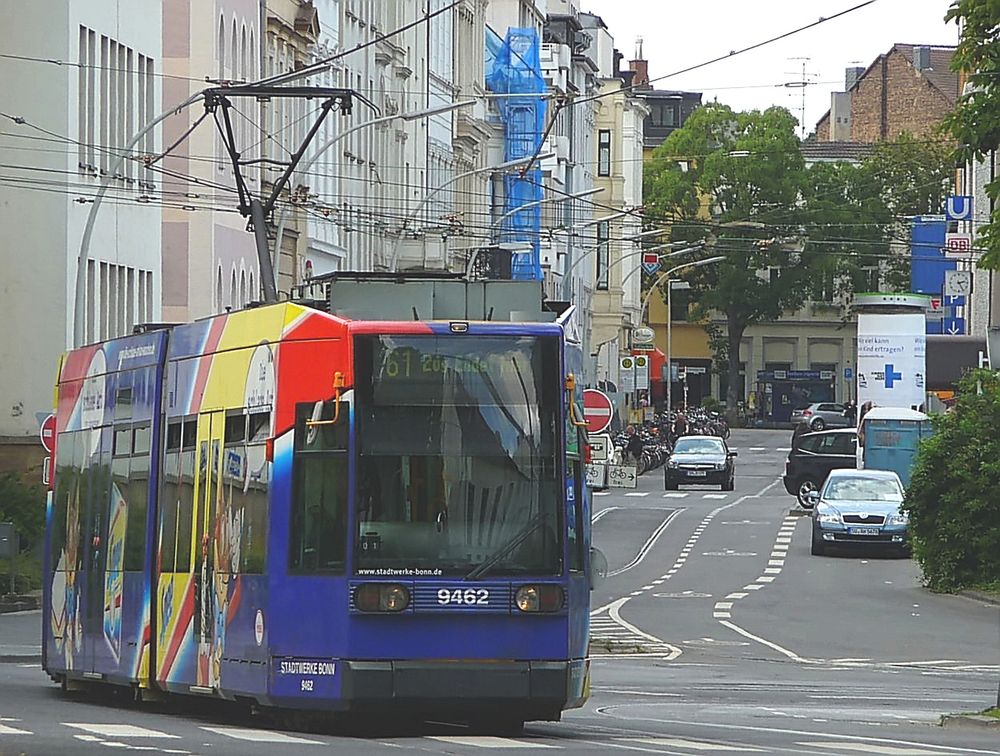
{"x": 958, "y": 208}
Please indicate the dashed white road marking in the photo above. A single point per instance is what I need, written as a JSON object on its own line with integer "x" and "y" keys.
{"x": 260, "y": 736}
{"x": 8, "y": 730}
{"x": 765, "y": 579}
{"x": 713, "y": 496}
{"x": 737, "y": 595}
{"x": 638, "y": 493}
{"x": 487, "y": 741}
{"x": 119, "y": 730}
{"x": 601, "y": 493}
{"x": 692, "y": 745}
{"x": 872, "y": 748}
{"x": 675, "y": 495}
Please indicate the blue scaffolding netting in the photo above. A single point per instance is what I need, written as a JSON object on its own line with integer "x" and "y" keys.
{"x": 513, "y": 68}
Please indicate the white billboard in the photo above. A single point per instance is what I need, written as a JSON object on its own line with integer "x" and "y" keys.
{"x": 892, "y": 360}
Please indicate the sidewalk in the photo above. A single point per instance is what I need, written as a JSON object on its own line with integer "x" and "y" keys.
{"x": 20, "y": 636}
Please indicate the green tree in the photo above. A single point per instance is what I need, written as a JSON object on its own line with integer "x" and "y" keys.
{"x": 853, "y": 212}
{"x": 952, "y": 498}
{"x": 975, "y": 122}
{"x": 24, "y": 505}
{"x": 789, "y": 233}
{"x": 736, "y": 169}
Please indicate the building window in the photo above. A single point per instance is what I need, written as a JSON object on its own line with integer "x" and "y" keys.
{"x": 823, "y": 288}
{"x": 868, "y": 280}
{"x": 603, "y": 250}
{"x": 680, "y": 300}
{"x": 604, "y": 152}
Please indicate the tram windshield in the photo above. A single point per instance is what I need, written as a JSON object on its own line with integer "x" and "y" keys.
{"x": 458, "y": 444}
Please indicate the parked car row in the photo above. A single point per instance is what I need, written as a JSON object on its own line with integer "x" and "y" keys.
{"x": 821, "y": 415}
{"x": 850, "y": 506}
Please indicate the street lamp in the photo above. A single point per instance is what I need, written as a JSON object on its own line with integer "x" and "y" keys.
{"x": 424, "y": 200}
{"x": 527, "y": 206}
{"x": 308, "y": 162}
{"x": 645, "y": 302}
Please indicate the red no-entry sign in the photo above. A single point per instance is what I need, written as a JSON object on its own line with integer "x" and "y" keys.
{"x": 597, "y": 410}
{"x": 48, "y": 433}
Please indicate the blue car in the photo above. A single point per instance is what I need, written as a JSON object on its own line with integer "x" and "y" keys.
{"x": 859, "y": 507}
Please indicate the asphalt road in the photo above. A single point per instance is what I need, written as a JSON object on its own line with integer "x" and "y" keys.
{"x": 724, "y": 636}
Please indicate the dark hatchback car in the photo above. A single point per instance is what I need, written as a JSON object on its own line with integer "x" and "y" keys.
{"x": 814, "y": 456}
{"x": 700, "y": 460}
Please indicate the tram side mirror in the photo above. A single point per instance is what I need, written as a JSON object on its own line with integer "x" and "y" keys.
{"x": 598, "y": 567}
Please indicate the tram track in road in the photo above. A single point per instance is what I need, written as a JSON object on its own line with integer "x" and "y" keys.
{"x": 610, "y": 630}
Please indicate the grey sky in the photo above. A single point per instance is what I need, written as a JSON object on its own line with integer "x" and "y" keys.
{"x": 677, "y": 34}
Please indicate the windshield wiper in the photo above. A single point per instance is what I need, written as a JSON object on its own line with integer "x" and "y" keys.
{"x": 519, "y": 538}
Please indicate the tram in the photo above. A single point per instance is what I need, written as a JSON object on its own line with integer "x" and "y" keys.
{"x": 306, "y": 506}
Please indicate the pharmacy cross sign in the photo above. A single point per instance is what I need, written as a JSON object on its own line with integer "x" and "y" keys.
{"x": 891, "y": 376}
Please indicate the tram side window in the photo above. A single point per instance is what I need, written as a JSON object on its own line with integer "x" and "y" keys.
{"x": 185, "y": 494}
{"x": 138, "y": 499}
{"x": 253, "y": 548}
{"x": 319, "y": 503}
{"x": 120, "y": 504}
{"x": 169, "y": 493}
{"x": 574, "y": 511}
{"x": 66, "y": 496}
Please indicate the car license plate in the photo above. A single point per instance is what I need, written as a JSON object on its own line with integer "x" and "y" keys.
{"x": 863, "y": 531}
{"x": 697, "y": 473}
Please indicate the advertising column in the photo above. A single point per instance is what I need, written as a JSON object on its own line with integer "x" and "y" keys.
{"x": 892, "y": 356}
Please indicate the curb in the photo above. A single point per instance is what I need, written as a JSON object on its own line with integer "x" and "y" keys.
{"x": 20, "y": 658}
{"x": 21, "y": 605}
{"x": 987, "y": 598}
{"x": 976, "y": 721}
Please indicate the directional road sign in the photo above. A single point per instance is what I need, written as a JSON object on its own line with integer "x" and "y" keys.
{"x": 953, "y": 326}
{"x": 597, "y": 410}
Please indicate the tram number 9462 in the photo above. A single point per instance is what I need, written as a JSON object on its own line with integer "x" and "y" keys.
{"x": 466, "y": 597}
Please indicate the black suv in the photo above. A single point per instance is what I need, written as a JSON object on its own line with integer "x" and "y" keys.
{"x": 812, "y": 458}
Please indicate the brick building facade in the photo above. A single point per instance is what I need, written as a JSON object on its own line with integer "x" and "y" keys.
{"x": 909, "y": 88}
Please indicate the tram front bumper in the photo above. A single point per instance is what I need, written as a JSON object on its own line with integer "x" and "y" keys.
{"x": 536, "y": 685}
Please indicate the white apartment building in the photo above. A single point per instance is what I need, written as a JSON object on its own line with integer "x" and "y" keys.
{"x": 77, "y": 120}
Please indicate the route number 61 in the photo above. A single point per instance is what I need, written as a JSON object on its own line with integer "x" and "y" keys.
{"x": 467, "y": 597}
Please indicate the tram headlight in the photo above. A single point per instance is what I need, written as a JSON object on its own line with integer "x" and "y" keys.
{"x": 381, "y": 597}
{"x": 539, "y": 598}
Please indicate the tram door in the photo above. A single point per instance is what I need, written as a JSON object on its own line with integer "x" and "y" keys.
{"x": 207, "y": 604}
{"x": 93, "y": 513}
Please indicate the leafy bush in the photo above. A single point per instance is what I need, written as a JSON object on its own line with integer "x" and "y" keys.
{"x": 24, "y": 505}
{"x": 954, "y": 494}
{"x": 712, "y": 404}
